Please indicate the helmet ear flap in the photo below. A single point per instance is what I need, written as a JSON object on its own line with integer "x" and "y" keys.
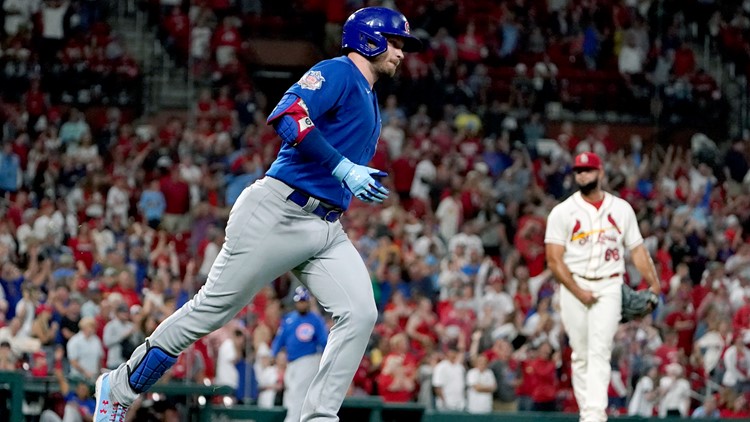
{"x": 372, "y": 45}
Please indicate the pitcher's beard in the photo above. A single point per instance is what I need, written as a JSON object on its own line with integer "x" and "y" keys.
{"x": 589, "y": 187}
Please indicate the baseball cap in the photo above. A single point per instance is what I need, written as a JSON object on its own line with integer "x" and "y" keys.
{"x": 587, "y": 160}
{"x": 300, "y": 294}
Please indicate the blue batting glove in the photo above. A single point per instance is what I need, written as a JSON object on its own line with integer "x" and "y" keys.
{"x": 360, "y": 181}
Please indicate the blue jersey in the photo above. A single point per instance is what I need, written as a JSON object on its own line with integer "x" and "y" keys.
{"x": 345, "y": 110}
{"x": 88, "y": 403}
{"x": 301, "y": 335}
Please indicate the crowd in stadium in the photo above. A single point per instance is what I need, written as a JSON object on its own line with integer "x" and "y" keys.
{"x": 110, "y": 226}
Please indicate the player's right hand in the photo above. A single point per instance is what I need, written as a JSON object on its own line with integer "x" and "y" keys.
{"x": 360, "y": 180}
{"x": 587, "y": 297}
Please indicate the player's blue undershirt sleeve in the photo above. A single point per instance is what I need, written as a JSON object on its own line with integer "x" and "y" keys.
{"x": 317, "y": 148}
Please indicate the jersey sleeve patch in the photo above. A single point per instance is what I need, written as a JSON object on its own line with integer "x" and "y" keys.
{"x": 312, "y": 80}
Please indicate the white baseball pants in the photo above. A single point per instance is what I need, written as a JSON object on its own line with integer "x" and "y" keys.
{"x": 297, "y": 378}
{"x": 266, "y": 235}
{"x": 591, "y": 331}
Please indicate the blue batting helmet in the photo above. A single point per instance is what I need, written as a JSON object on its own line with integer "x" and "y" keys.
{"x": 365, "y": 31}
{"x": 301, "y": 293}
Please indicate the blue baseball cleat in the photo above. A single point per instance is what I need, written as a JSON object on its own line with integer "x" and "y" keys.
{"x": 107, "y": 410}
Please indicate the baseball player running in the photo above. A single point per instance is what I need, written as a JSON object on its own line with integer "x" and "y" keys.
{"x": 586, "y": 238}
{"x": 303, "y": 334}
{"x": 329, "y": 123}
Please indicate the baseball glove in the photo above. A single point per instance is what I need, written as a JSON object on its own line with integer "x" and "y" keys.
{"x": 637, "y": 304}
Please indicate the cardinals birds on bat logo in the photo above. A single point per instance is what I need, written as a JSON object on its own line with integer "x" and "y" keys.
{"x": 576, "y": 227}
{"x": 582, "y": 236}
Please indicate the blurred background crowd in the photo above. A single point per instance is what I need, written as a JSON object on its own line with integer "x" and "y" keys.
{"x": 111, "y": 219}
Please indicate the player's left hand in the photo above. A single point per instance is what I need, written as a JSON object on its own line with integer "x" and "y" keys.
{"x": 360, "y": 180}
{"x": 637, "y": 304}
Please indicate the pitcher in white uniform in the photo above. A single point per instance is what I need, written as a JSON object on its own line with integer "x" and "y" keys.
{"x": 586, "y": 240}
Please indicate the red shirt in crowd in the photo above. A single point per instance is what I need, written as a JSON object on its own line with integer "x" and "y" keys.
{"x": 408, "y": 367}
{"x": 623, "y": 376}
{"x": 83, "y": 249}
{"x": 698, "y": 294}
{"x": 127, "y": 67}
{"x": 177, "y": 25}
{"x": 523, "y": 302}
{"x": 362, "y": 378}
{"x": 416, "y": 66}
{"x": 666, "y": 354}
{"x": 528, "y": 380}
{"x": 741, "y": 319}
{"x": 544, "y": 374}
{"x": 224, "y": 110}
{"x": 684, "y": 323}
{"x": 176, "y": 194}
{"x": 130, "y": 296}
{"x": 226, "y": 36}
{"x": 470, "y": 47}
{"x": 15, "y": 214}
{"x": 663, "y": 261}
{"x": 36, "y": 101}
{"x": 684, "y": 61}
{"x": 529, "y": 241}
{"x": 206, "y": 107}
{"x": 732, "y": 414}
{"x": 380, "y": 159}
{"x": 386, "y": 331}
{"x": 403, "y": 173}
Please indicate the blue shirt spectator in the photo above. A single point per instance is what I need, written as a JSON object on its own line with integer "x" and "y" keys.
{"x": 510, "y": 37}
{"x": 152, "y": 204}
{"x": 89, "y": 404}
{"x": 10, "y": 169}
{"x": 301, "y": 333}
{"x": 72, "y": 131}
{"x": 247, "y": 391}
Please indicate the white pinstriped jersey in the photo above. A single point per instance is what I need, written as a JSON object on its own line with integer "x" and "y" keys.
{"x": 594, "y": 240}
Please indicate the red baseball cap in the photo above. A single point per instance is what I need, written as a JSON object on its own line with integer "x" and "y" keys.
{"x": 587, "y": 160}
